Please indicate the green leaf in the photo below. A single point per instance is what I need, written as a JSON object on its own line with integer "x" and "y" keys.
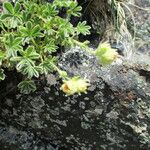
{"x": 66, "y": 29}
{"x": 13, "y": 45}
{"x": 24, "y": 31}
{"x": 50, "y": 47}
{"x": 31, "y": 71}
{"x": 2, "y": 56}
{"x": 82, "y": 28}
{"x": 29, "y": 25}
{"x": 30, "y": 53}
{"x": 27, "y": 86}
{"x": 50, "y": 11}
{"x": 9, "y": 7}
{"x": 17, "y": 8}
{"x": 27, "y": 67}
{"x": 11, "y": 17}
{"x": 46, "y": 65}
{"x": 30, "y": 30}
{"x": 17, "y": 41}
{"x": 36, "y": 31}
{"x": 75, "y": 10}
{"x": 22, "y": 64}
{"x": 4, "y": 16}
{"x": 25, "y": 16}
{"x": 15, "y": 59}
{"x": 2, "y": 75}
{"x": 13, "y": 22}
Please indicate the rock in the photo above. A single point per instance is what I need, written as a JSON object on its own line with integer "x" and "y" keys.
{"x": 115, "y": 114}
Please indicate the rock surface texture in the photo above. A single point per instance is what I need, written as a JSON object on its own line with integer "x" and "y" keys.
{"x": 113, "y": 115}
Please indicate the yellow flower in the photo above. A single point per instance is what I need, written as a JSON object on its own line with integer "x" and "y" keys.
{"x": 69, "y": 87}
{"x": 75, "y": 85}
{"x": 106, "y": 54}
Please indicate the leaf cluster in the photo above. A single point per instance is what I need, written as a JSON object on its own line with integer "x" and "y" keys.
{"x": 30, "y": 32}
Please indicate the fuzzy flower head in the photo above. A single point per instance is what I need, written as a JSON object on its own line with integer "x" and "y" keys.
{"x": 75, "y": 85}
{"x": 106, "y": 54}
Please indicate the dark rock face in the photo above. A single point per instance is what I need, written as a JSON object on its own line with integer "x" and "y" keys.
{"x": 115, "y": 114}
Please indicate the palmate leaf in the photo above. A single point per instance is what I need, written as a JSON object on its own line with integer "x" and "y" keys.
{"x": 60, "y": 3}
{"x": 82, "y": 28}
{"x": 46, "y": 66}
{"x": 28, "y": 68}
{"x": 66, "y": 29}
{"x": 16, "y": 59}
{"x": 50, "y": 47}
{"x": 27, "y": 86}
{"x": 12, "y": 9}
{"x": 2, "y": 75}
{"x": 11, "y": 17}
{"x": 50, "y": 11}
{"x": 69, "y": 4}
{"x": 12, "y": 45}
{"x": 30, "y": 53}
{"x": 31, "y": 71}
{"x": 26, "y": 62}
{"x": 74, "y": 9}
{"x": 30, "y": 30}
{"x": 22, "y": 63}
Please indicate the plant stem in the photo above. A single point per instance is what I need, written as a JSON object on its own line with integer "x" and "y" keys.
{"x": 59, "y": 71}
{"x": 84, "y": 46}
{"x": 55, "y": 67}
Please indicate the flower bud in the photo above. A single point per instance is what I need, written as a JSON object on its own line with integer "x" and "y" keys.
{"x": 108, "y": 57}
{"x": 102, "y": 48}
{"x": 106, "y": 54}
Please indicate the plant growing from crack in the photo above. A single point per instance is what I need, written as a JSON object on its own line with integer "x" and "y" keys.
{"x": 31, "y": 32}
